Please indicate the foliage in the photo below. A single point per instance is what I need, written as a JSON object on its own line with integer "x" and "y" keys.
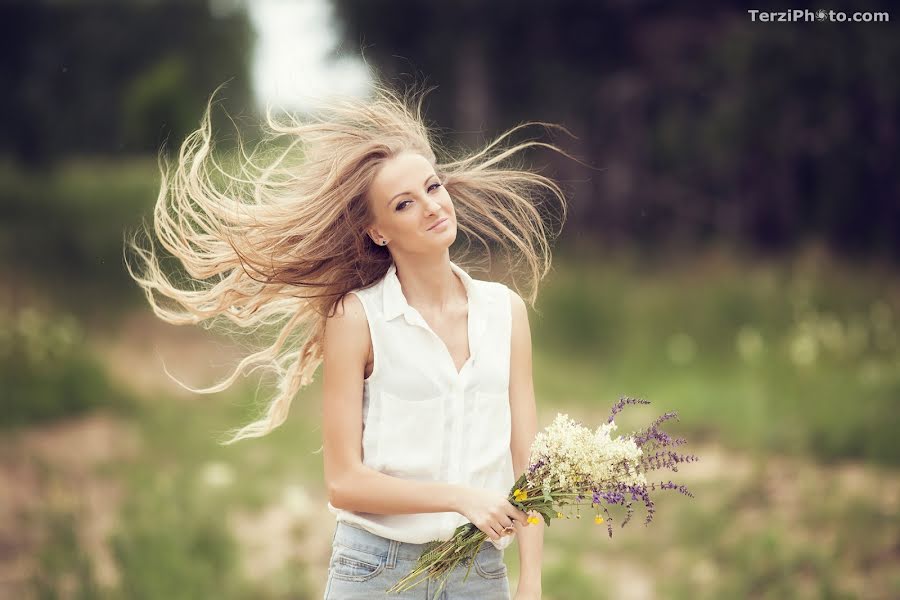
{"x": 46, "y": 372}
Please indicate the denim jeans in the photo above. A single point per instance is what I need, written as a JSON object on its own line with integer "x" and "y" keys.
{"x": 364, "y": 565}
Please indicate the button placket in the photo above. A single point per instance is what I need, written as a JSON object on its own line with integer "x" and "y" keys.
{"x": 454, "y": 405}
{"x": 457, "y": 406}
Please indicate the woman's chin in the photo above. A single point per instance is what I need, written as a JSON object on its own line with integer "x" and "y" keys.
{"x": 448, "y": 237}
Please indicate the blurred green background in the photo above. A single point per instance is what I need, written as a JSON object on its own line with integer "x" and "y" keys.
{"x": 733, "y": 256}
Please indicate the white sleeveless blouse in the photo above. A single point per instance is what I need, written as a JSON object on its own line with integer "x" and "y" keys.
{"x": 425, "y": 421}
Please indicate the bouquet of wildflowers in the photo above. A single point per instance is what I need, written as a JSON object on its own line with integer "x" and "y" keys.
{"x": 569, "y": 463}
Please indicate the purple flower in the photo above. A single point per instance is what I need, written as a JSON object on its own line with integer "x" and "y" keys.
{"x": 623, "y": 401}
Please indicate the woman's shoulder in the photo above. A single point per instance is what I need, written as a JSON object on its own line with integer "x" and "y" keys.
{"x": 502, "y": 297}
{"x": 493, "y": 291}
{"x": 370, "y": 289}
{"x": 346, "y": 326}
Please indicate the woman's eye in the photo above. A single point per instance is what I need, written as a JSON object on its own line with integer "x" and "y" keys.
{"x": 431, "y": 187}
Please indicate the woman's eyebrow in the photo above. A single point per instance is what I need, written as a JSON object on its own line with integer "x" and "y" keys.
{"x": 405, "y": 193}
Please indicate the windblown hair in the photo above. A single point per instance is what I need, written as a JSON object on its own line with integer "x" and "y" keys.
{"x": 279, "y": 242}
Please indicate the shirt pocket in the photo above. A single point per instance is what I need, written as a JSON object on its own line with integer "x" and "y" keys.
{"x": 411, "y": 436}
{"x": 490, "y": 432}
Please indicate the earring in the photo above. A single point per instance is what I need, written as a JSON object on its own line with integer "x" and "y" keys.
{"x": 383, "y": 242}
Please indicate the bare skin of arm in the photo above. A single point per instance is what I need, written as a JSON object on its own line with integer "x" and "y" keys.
{"x": 352, "y": 485}
{"x": 524, "y": 430}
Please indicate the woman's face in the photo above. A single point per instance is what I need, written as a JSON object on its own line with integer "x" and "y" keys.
{"x": 409, "y": 202}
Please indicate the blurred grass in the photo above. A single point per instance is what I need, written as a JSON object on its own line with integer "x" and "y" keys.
{"x": 46, "y": 374}
{"x": 799, "y": 355}
{"x": 173, "y": 531}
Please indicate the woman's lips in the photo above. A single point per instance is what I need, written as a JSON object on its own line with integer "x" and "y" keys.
{"x": 438, "y": 223}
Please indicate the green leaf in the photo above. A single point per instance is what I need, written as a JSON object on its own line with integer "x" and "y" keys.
{"x": 518, "y": 485}
{"x": 547, "y": 513}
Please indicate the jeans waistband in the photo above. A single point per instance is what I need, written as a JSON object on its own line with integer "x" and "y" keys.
{"x": 354, "y": 536}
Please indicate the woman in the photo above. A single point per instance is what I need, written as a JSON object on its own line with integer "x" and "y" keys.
{"x": 344, "y": 235}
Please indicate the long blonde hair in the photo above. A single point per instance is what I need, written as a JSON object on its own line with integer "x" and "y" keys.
{"x": 282, "y": 240}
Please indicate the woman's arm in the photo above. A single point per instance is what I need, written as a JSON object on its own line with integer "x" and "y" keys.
{"x": 371, "y": 491}
{"x": 351, "y": 485}
{"x": 524, "y": 430}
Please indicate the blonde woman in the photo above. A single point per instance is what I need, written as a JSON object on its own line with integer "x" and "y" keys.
{"x": 341, "y": 240}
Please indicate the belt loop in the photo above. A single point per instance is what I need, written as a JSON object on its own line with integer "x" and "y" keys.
{"x": 393, "y": 550}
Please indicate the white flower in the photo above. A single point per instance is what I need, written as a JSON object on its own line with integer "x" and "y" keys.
{"x": 570, "y": 453}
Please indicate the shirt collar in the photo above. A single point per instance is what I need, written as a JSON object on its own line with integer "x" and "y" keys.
{"x": 395, "y": 302}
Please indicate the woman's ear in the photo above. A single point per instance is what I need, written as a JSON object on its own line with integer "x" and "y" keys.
{"x": 377, "y": 238}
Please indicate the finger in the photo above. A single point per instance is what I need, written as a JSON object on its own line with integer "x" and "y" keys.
{"x": 515, "y": 510}
{"x": 514, "y": 514}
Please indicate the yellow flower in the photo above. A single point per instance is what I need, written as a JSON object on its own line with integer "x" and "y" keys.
{"x": 559, "y": 515}
{"x": 598, "y": 519}
{"x": 533, "y": 520}
{"x": 520, "y": 495}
